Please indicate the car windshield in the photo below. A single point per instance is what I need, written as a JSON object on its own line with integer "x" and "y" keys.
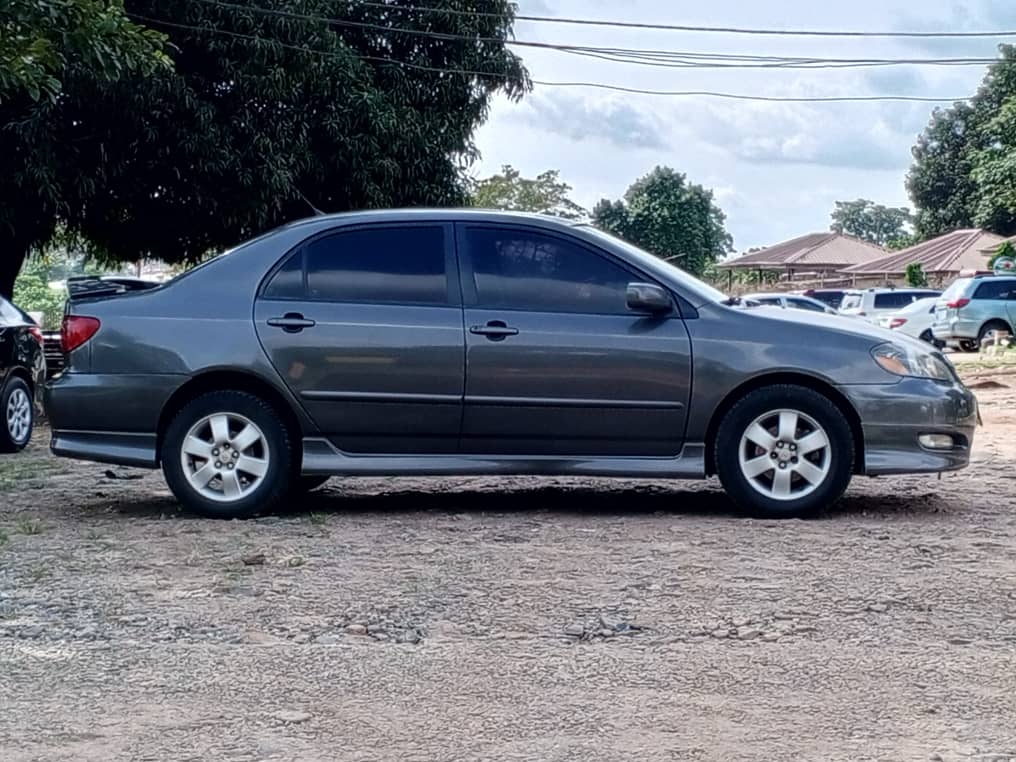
{"x": 851, "y": 302}
{"x": 704, "y": 290}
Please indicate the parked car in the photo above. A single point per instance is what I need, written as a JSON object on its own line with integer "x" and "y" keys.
{"x": 436, "y": 342}
{"x": 22, "y": 372}
{"x": 831, "y": 297}
{"x": 971, "y": 307}
{"x": 874, "y": 303}
{"x": 914, "y": 320}
{"x": 790, "y": 301}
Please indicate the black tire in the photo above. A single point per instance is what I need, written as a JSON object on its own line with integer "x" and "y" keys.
{"x": 930, "y": 338}
{"x": 276, "y": 483}
{"x": 991, "y": 325}
{"x": 840, "y": 451}
{"x": 8, "y": 441}
{"x": 304, "y": 484}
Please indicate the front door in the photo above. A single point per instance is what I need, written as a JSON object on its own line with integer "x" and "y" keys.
{"x": 365, "y": 325}
{"x": 555, "y": 362}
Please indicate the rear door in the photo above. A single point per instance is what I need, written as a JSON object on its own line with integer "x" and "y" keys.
{"x": 556, "y": 363}
{"x": 365, "y": 325}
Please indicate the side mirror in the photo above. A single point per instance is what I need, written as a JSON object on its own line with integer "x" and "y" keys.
{"x": 648, "y": 297}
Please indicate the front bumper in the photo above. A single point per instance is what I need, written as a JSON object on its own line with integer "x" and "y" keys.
{"x": 894, "y": 416}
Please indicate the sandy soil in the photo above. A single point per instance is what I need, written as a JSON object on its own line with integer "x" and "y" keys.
{"x": 511, "y": 619}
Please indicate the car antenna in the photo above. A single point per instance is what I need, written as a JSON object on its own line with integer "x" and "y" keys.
{"x": 317, "y": 212}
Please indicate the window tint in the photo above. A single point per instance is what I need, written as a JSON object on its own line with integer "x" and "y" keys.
{"x": 995, "y": 289}
{"x": 394, "y": 265}
{"x": 768, "y": 300}
{"x": 893, "y": 299}
{"x": 288, "y": 282}
{"x": 526, "y": 270}
{"x": 802, "y": 304}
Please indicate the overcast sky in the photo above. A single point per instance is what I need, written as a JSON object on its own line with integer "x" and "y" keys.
{"x": 776, "y": 168}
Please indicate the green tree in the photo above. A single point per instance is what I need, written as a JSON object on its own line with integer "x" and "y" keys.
{"x": 265, "y": 114}
{"x": 872, "y": 222}
{"x": 546, "y": 194}
{"x": 32, "y": 293}
{"x": 916, "y": 277}
{"x": 964, "y": 161}
{"x": 41, "y": 39}
{"x": 668, "y": 216}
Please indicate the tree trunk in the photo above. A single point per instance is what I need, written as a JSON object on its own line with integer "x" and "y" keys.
{"x": 11, "y": 259}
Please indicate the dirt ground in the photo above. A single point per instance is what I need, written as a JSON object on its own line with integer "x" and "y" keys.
{"x": 511, "y": 619}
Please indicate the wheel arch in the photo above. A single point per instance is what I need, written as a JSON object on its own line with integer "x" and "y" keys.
{"x": 986, "y": 326}
{"x": 775, "y": 379}
{"x": 230, "y": 380}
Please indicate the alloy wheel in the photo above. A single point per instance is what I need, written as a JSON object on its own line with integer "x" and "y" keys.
{"x": 19, "y": 416}
{"x": 785, "y": 454}
{"x": 225, "y": 457}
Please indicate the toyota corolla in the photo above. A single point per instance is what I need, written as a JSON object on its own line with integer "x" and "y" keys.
{"x": 471, "y": 342}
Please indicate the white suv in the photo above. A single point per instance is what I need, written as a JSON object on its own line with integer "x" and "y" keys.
{"x": 873, "y": 303}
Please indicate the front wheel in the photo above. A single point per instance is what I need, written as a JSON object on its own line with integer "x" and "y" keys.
{"x": 968, "y": 345}
{"x": 228, "y": 455}
{"x": 929, "y": 337}
{"x": 784, "y": 452}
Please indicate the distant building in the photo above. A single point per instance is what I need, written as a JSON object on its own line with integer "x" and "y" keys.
{"x": 815, "y": 256}
{"x": 942, "y": 259}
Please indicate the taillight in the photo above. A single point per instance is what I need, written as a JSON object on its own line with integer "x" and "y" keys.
{"x": 958, "y": 304}
{"x": 897, "y": 322}
{"x": 36, "y": 334}
{"x": 76, "y": 330}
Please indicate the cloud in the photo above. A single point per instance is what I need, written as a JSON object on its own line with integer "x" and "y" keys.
{"x": 579, "y": 118}
{"x": 797, "y": 134}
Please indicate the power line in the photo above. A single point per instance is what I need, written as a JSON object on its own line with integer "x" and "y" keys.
{"x": 597, "y": 85}
{"x": 654, "y": 58}
{"x": 690, "y": 28}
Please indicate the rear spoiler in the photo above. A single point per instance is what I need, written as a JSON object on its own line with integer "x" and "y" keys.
{"x": 82, "y": 286}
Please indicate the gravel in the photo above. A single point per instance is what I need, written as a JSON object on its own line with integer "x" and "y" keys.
{"x": 509, "y": 619}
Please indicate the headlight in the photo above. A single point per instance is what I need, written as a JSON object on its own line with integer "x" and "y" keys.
{"x": 903, "y": 360}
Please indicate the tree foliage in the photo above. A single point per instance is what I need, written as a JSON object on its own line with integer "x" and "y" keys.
{"x": 1005, "y": 250}
{"x": 670, "y": 217}
{"x": 42, "y": 39}
{"x": 915, "y": 275}
{"x": 545, "y": 194}
{"x": 869, "y": 221}
{"x": 965, "y": 161}
{"x": 264, "y": 113}
{"x": 32, "y": 293}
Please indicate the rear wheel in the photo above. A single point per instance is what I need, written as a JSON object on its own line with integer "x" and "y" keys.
{"x": 969, "y": 345}
{"x": 784, "y": 452}
{"x": 228, "y": 455}
{"x": 994, "y": 325}
{"x": 18, "y": 414}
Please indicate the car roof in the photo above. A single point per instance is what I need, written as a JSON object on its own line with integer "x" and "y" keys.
{"x": 435, "y": 213}
{"x": 903, "y": 289}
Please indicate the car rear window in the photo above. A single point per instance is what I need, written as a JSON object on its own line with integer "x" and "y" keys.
{"x": 956, "y": 289}
{"x": 892, "y": 300}
{"x": 9, "y": 314}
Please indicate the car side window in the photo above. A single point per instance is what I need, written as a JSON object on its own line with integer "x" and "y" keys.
{"x": 994, "y": 289}
{"x": 394, "y": 265}
{"x": 528, "y": 270}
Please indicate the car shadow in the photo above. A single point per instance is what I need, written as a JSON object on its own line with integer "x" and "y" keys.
{"x": 707, "y": 501}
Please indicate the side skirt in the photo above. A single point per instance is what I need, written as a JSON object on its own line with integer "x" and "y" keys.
{"x": 321, "y": 458}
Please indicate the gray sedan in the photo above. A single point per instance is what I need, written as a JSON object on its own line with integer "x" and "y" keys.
{"x": 471, "y": 342}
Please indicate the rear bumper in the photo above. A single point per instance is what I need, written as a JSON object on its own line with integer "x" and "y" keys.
{"x": 108, "y": 418}
{"x": 894, "y": 416}
{"x": 956, "y": 329}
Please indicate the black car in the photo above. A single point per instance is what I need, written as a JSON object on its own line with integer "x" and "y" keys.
{"x": 22, "y": 372}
